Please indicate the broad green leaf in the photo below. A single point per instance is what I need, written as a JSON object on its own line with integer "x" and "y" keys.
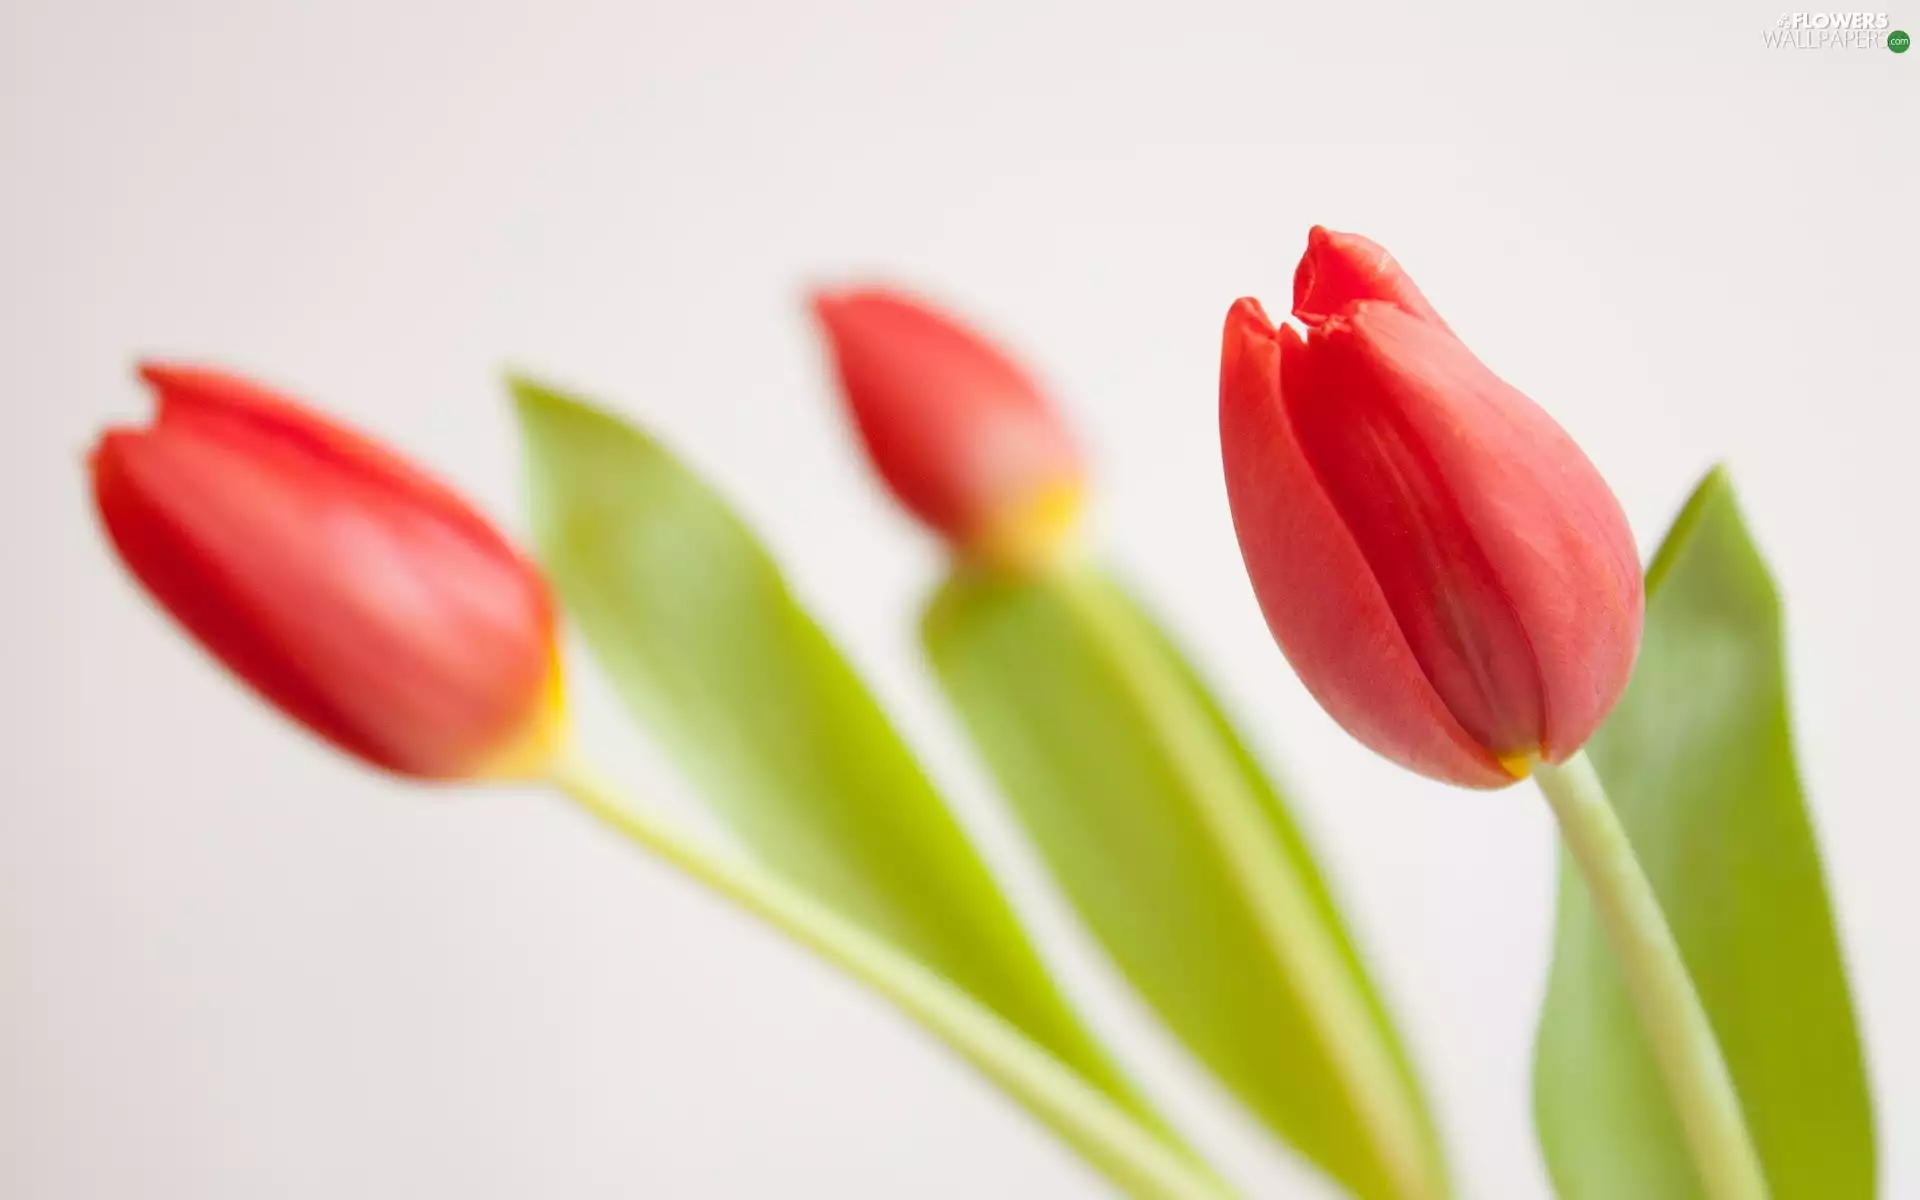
{"x": 1699, "y": 764}
{"x": 1088, "y": 769}
{"x": 699, "y": 633}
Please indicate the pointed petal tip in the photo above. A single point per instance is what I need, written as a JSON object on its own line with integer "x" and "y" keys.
{"x": 1247, "y": 317}
{"x": 170, "y": 377}
{"x": 823, "y": 302}
{"x": 1339, "y": 270}
{"x": 162, "y": 378}
{"x": 831, "y": 301}
{"x": 169, "y": 382}
{"x": 107, "y": 450}
{"x": 1247, "y": 340}
{"x": 154, "y": 372}
{"x": 183, "y": 387}
{"x": 860, "y": 310}
{"x": 1307, "y": 272}
{"x": 1330, "y": 268}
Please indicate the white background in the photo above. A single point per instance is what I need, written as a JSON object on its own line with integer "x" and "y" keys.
{"x": 233, "y": 965}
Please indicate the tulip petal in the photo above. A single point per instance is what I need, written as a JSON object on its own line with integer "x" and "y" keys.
{"x": 1342, "y": 269}
{"x": 229, "y": 407}
{"x": 1533, "y": 539}
{"x": 1318, "y": 593}
{"x": 129, "y": 473}
{"x": 1362, "y": 421}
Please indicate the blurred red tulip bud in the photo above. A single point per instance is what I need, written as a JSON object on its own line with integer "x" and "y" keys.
{"x": 362, "y": 597}
{"x": 1441, "y": 564}
{"x": 961, "y": 435}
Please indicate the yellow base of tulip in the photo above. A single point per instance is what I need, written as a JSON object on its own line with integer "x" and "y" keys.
{"x": 529, "y": 752}
{"x": 1032, "y": 533}
{"x": 1518, "y": 765}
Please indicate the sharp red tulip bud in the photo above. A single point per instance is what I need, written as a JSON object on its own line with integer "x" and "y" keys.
{"x": 1340, "y": 269}
{"x": 362, "y": 597}
{"x": 962, "y": 436}
{"x": 1441, "y": 564}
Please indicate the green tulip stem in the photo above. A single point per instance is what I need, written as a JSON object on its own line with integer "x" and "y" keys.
{"x": 1126, "y": 1152}
{"x": 1298, "y": 939}
{"x": 1670, "y": 1011}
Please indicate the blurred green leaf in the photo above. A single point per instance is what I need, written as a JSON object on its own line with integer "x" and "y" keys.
{"x": 695, "y": 626}
{"x": 1090, "y": 773}
{"x": 1699, "y": 764}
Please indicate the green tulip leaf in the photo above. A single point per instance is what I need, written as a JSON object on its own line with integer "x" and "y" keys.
{"x": 1698, "y": 760}
{"x": 1094, "y": 770}
{"x": 699, "y": 633}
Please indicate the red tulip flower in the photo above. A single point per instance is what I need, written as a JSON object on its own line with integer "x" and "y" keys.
{"x": 961, "y": 435}
{"x": 1440, "y": 563}
{"x": 362, "y": 597}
